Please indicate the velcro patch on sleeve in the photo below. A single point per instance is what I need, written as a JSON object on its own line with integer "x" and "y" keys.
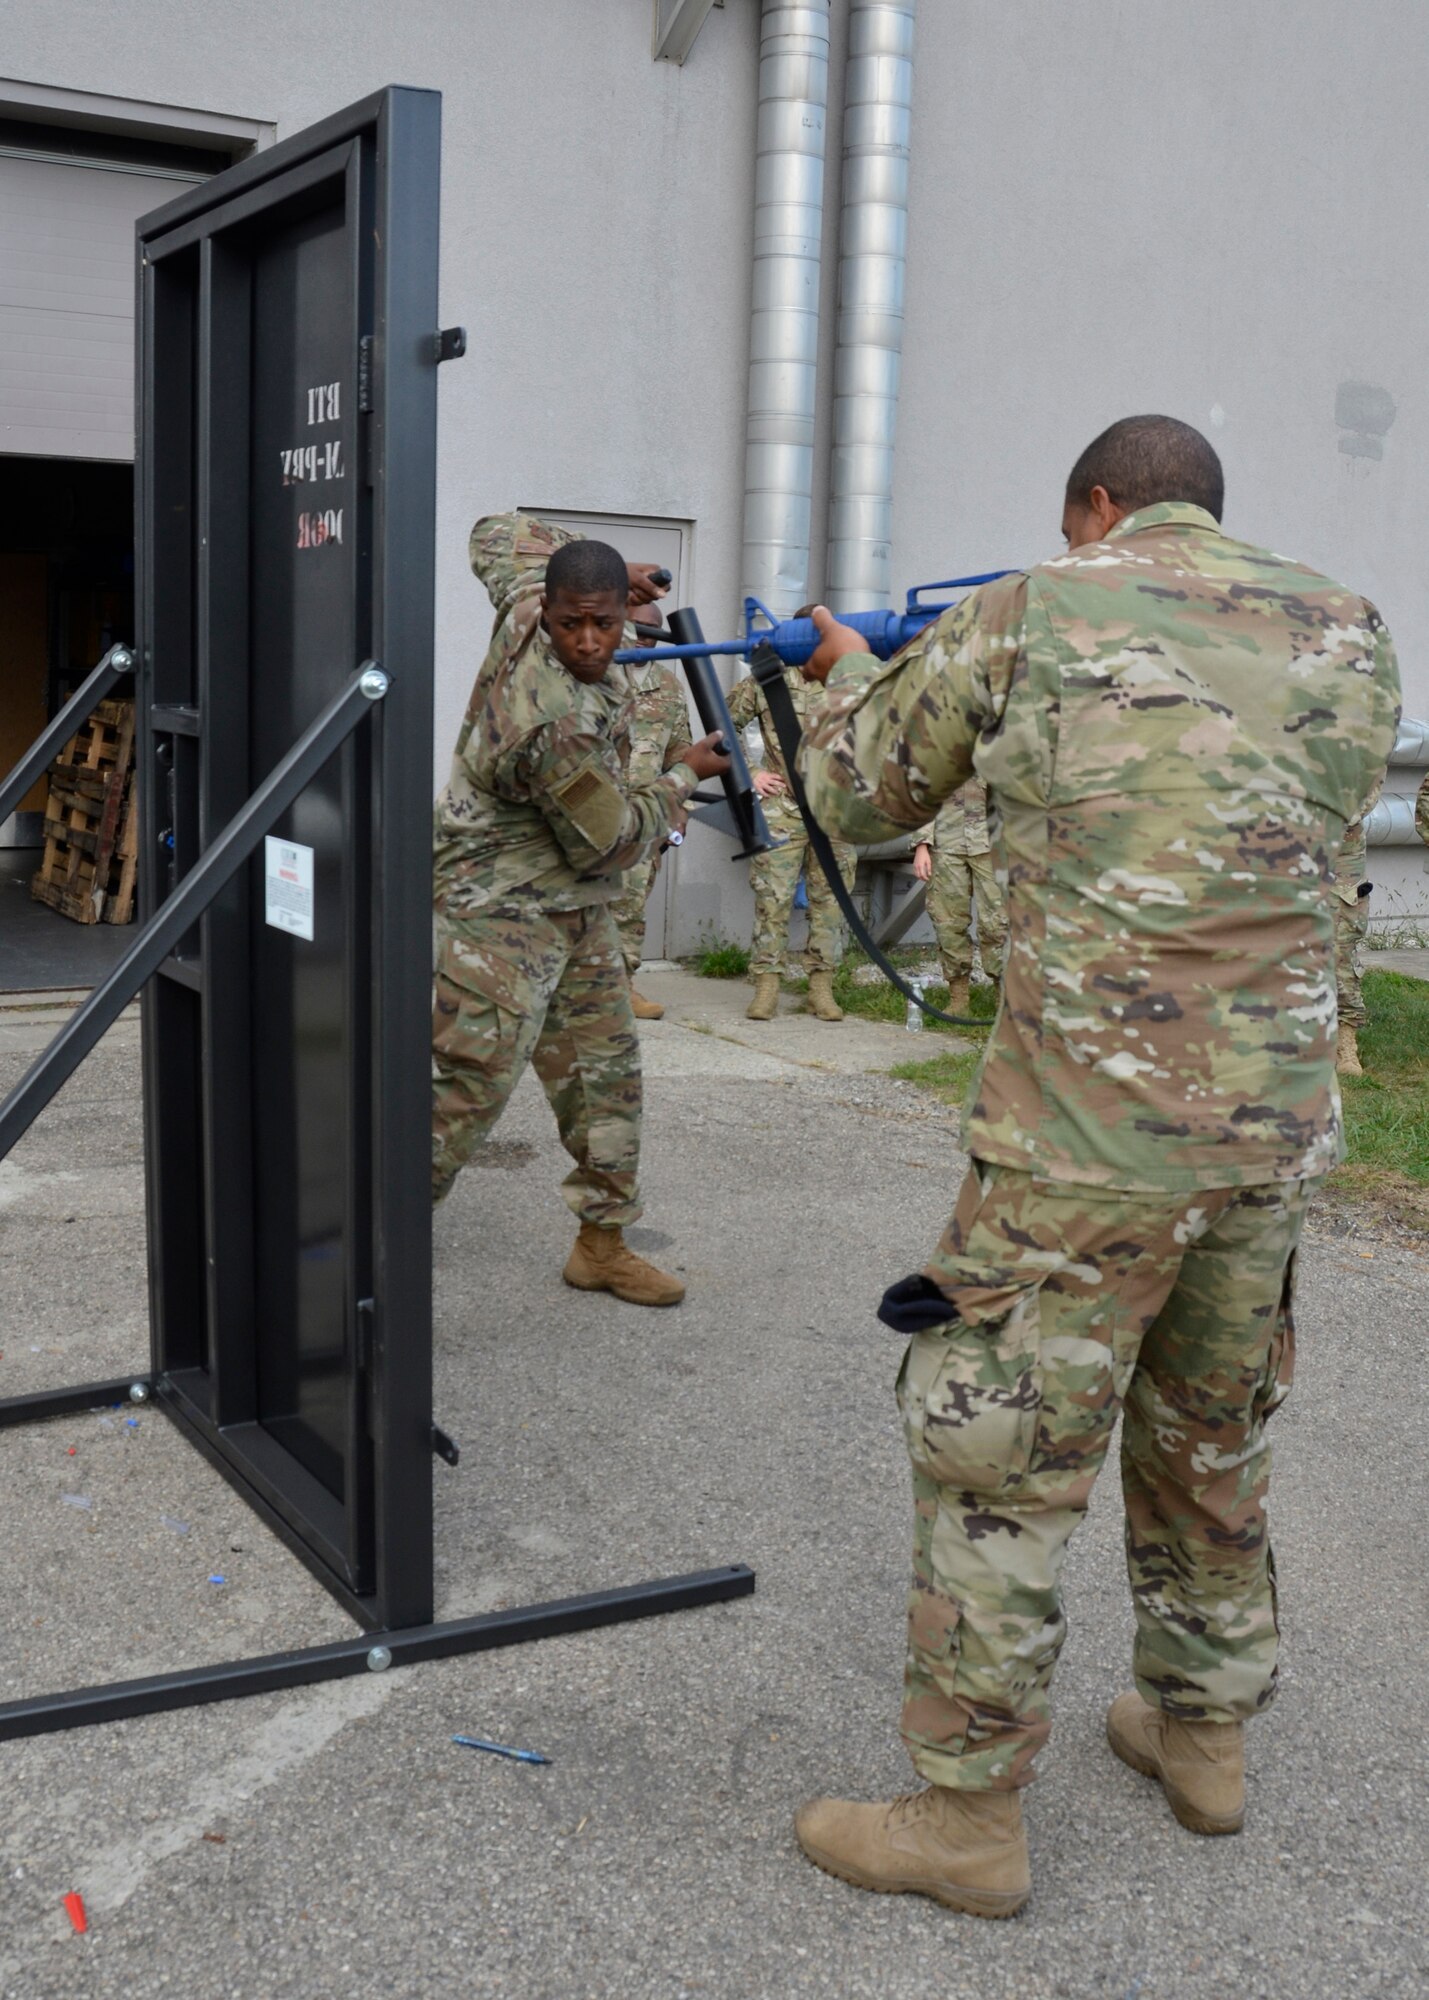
{"x": 594, "y": 806}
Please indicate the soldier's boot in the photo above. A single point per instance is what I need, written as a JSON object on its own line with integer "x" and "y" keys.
{"x": 600, "y": 1262}
{"x": 959, "y": 1000}
{"x": 643, "y": 1009}
{"x": 765, "y": 1004}
{"x": 1347, "y": 1051}
{"x": 1199, "y": 1765}
{"x": 964, "y": 1849}
{"x": 821, "y": 997}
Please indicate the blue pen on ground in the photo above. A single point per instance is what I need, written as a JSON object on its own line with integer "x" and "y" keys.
{"x": 500, "y": 1750}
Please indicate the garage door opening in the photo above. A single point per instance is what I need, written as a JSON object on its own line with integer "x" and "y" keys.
{"x": 66, "y": 596}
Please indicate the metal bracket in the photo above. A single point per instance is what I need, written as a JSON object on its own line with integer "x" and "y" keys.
{"x": 370, "y": 1652}
{"x": 451, "y": 343}
{"x": 445, "y": 1446}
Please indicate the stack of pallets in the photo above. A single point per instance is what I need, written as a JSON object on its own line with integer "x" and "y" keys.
{"x": 91, "y": 834}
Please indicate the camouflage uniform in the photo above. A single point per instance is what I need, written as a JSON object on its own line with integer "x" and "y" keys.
{"x": 963, "y": 870}
{"x": 1421, "y": 809}
{"x": 774, "y": 876}
{"x": 1351, "y": 921}
{"x": 659, "y": 737}
{"x": 1177, "y": 728}
{"x": 532, "y": 832}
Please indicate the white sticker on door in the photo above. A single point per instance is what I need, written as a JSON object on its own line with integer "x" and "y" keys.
{"x": 288, "y": 886}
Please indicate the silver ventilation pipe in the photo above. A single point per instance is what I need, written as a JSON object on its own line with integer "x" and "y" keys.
{"x": 784, "y": 317}
{"x": 1411, "y": 746}
{"x": 878, "y": 116}
{"x": 1390, "y": 823}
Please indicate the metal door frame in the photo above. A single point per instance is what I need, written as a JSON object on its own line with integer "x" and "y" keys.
{"x": 388, "y": 149}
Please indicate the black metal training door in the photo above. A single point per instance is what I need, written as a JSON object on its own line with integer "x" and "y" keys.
{"x": 287, "y": 398}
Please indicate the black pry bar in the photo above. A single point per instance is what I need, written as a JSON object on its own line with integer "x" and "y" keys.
{"x": 769, "y": 670}
{"x": 713, "y": 711}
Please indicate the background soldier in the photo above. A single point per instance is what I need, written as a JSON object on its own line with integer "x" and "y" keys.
{"x": 1352, "y": 893}
{"x": 774, "y": 876}
{"x": 953, "y": 856}
{"x": 659, "y": 738}
{"x": 532, "y": 832}
{"x": 1177, "y": 728}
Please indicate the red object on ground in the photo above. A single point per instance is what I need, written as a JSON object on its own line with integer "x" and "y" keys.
{"x": 74, "y": 1907}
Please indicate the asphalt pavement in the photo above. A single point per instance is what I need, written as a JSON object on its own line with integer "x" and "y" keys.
{"x": 333, "y": 1841}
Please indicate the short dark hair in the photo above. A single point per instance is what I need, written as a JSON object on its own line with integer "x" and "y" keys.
{"x": 1143, "y": 460}
{"x": 587, "y": 569}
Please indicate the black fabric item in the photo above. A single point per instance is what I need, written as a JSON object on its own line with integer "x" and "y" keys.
{"x": 914, "y": 1305}
{"x": 768, "y": 669}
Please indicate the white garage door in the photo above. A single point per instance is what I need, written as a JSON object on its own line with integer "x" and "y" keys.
{"x": 67, "y": 302}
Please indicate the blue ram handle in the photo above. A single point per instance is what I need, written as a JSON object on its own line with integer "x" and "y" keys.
{"x": 794, "y": 639}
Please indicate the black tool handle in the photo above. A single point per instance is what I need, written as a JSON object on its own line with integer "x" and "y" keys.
{"x": 768, "y": 669}
{"x": 713, "y": 711}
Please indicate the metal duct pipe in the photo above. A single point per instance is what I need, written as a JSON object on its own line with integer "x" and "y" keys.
{"x": 784, "y": 317}
{"x": 1390, "y": 823}
{"x": 1411, "y": 746}
{"x": 878, "y": 116}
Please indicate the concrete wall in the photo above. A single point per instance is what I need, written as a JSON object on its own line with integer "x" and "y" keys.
{"x": 1219, "y": 211}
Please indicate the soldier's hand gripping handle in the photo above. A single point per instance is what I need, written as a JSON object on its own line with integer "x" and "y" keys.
{"x": 708, "y": 758}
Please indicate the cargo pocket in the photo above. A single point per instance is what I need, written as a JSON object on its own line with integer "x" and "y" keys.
{"x": 1279, "y": 1371}
{"x": 970, "y": 1398}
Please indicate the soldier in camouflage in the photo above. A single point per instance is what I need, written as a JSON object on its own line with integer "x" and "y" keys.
{"x": 659, "y": 738}
{"x": 1178, "y": 728}
{"x": 774, "y": 875}
{"x": 1352, "y": 893}
{"x": 1421, "y": 809}
{"x": 533, "y": 830}
{"x": 954, "y": 857}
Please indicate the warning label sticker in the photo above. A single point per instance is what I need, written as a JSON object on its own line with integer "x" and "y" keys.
{"x": 288, "y": 886}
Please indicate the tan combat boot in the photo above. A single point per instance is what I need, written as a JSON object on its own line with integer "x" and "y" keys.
{"x": 965, "y": 1849}
{"x": 1200, "y": 1765}
{"x": 643, "y": 1009}
{"x": 1347, "y": 1052}
{"x": 765, "y": 1004}
{"x": 821, "y": 997}
{"x": 958, "y": 1001}
{"x": 600, "y": 1262}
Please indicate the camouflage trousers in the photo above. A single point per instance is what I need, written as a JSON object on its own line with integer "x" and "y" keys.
{"x": 1351, "y": 924}
{"x": 551, "y": 990}
{"x": 774, "y": 877}
{"x": 628, "y": 910}
{"x": 1072, "y": 1306}
{"x": 955, "y": 881}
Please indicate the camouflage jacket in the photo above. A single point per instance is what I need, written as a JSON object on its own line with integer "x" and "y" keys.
{"x": 961, "y": 827}
{"x": 660, "y": 723}
{"x": 747, "y": 704}
{"x": 1178, "y": 728}
{"x": 1421, "y": 809}
{"x": 539, "y": 812}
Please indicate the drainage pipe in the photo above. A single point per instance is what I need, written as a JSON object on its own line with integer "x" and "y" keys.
{"x": 878, "y": 111}
{"x": 784, "y": 317}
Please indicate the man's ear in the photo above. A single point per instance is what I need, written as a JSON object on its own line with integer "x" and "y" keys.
{"x": 1105, "y": 510}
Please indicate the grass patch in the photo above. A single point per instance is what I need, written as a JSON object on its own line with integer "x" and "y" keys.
{"x": 885, "y": 1003}
{"x": 1387, "y": 1109}
{"x": 946, "y": 1076}
{"x": 723, "y": 961}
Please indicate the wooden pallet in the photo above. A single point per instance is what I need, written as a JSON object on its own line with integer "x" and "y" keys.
{"x": 91, "y": 785}
{"x": 119, "y": 903}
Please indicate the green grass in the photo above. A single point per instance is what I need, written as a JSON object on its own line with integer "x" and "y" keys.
{"x": 886, "y": 1003}
{"x": 947, "y": 1076}
{"x": 1387, "y": 1110}
{"x": 723, "y": 961}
